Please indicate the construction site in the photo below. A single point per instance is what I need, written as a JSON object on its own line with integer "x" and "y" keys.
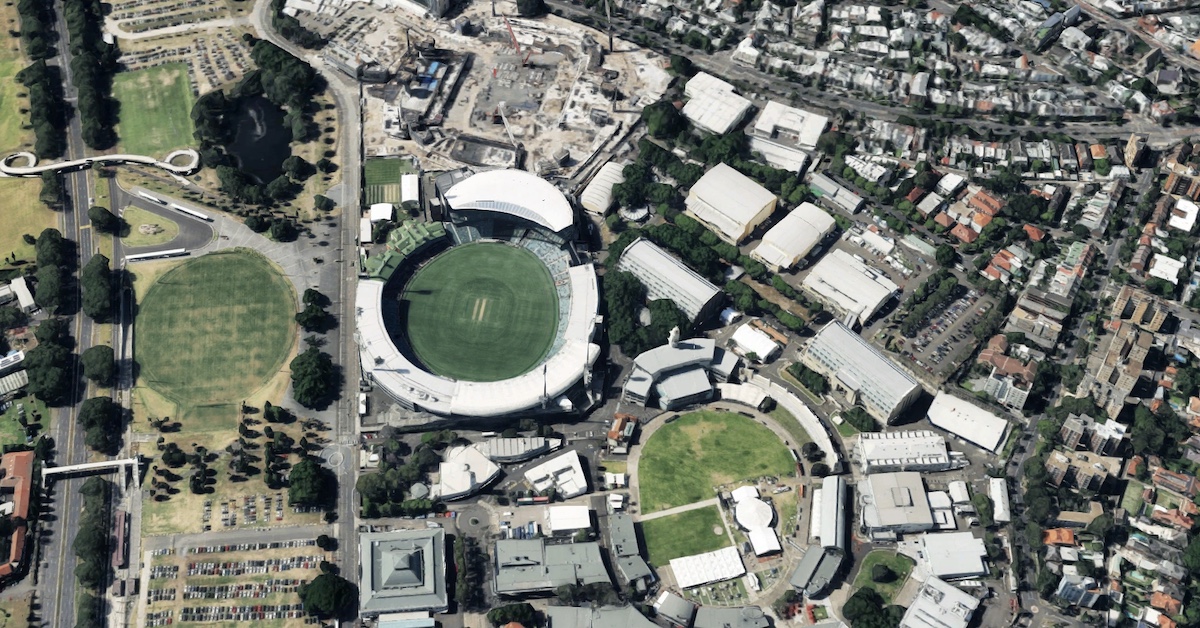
{"x": 488, "y": 89}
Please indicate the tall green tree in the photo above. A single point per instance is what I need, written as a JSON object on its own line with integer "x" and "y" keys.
{"x": 329, "y": 595}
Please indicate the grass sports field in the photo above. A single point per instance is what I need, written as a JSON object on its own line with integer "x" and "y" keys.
{"x": 381, "y": 178}
{"x": 214, "y": 329}
{"x": 137, "y": 217}
{"x": 156, "y": 109}
{"x": 685, "y": 534}
{"x": 481, "y": 312}
{"x": 685, "y": 459}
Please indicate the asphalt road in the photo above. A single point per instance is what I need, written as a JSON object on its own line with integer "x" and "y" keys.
{"x": 348, "y": 100}
{"x": 193, "y": 232}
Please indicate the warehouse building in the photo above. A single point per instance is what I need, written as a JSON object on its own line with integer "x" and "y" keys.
{"x": 834, "y": 196}
{"x": 947, "y": 555}
{"x": 998, "y": 491}
{"x": 893, "y": 504}
{"x": 597, "y": 198}
{"x": 402, "y": 571}
{"x": 729, "y": 203}
{"x": 922, "y": 450}
{"x": 713, "y": 105}
{"x": 940, "y": 604}
{"x": 819, "y": 565}
{"x": 588, "y": 617}
{"x": 849, "y": 286}
{"x": 627, "y": 554}
{"x": 753, "y": 343}
{"x": 668, "y": 278}
{"x": 790, "y": 126}
{"x": 794, "y": 237}
{"x": 967, "y": 421}
{"x": 860, "y": 373}
{"x": 530, "y": 567}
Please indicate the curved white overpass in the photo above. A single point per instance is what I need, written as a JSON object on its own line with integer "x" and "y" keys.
{"x": 408, "y": 381}
{"x": 32, "y": 169}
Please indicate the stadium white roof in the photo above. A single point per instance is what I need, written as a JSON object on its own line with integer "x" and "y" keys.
{"x": 712, "y": 104}
{"x": 967, "y": 421}
{"x": 569, "y": 518}
{"x": 597, "y": 197}
{"x": 753, "y": 514}
{"x": 404, "y": 379}
{"x": 917, "y": 448}
{"x": 667, "y": 278}
{"x": 514, "y": 192}
{"x": 410, "y": 188}
{"x": 382, "y": 211}
{"x": 743, "y": 493}
{"x": 563, "y": 473}
{"x": 940, "y": 605}
{"x": 464, "y": 471}
{"x": 857, "y": 364}
{"x": 728, "y": 200}
{"x": 715, "y": 566}
{"x": 952, "y": 554}
{"x": 998, "y": 491}
{"x": 850, "y": 285}
{"x": 750, "y": 339}
{"x": 794, "y": 237}
{"x": 895, "y": 500}
{"x": 800, "y": 127}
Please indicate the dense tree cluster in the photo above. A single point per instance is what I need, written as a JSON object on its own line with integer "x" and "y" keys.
{"x": 470, "y": 564}
{"x": 865, "y": 609}
{"x": 93, "y": 543}
{"x": 330, "y": 596}
{"x": 625, "y": 297}
{"x": 310, "y": 484}
{"x": 99, "y": 364}
{"x": 314, "y": 378}
{"x": 49, "y": 363}
{"x": 521, "y": 613}
{"x": 291, "y": 28}
{"x": 101, "y": 418}
{"x": 99, "y": 292}
{"x": 860, "y": 420}
{"x": 314, "y": 317}
{"x": 93, "y": 64}
{"x": 663, "y": 120}
{"x": 812, "y": 380}
{"x": 385, "y": 493}
{"x": 103, "y": 220}
{"x": 48, "y": 111}
{"x": 37, "y": 28}
{"x": 530, "y": 8}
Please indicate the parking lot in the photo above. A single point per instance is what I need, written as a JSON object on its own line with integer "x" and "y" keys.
{"x": 940, "y": 348}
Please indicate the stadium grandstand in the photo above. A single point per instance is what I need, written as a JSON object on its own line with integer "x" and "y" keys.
{"x": 501, "y": 336}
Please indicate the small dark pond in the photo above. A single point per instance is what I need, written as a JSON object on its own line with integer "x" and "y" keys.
{"x": 260, "y": 141}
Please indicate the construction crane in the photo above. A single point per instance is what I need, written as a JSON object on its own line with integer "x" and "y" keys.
{"x": 516, "y": 44}
{"x": 500, "y": 109}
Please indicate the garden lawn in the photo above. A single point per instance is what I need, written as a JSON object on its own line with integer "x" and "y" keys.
{"x": 22, "y": 213}
{"x": 1131, "y": 500}
{"x": 156, "y": 108}
{"x": 685, "y": 534}
{"x": 685, "y": 460}
{"x": 213, "y": 330}
{"x": 899, "y": 564}
{"x": 135, "y": 217}
{"x": 381, "y": 179}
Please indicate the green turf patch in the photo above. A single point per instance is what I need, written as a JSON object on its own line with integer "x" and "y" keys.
{"x": 381, "y": 179}
{"x": 156, "y": 108}
{"x": 136, "y": 217}
{"x": 685, "y": 534}
{"x": 214, "y": 329}
{"x": 11, "y": 432}
{"x": 481, "y": 312}
{"x": 899, "y": 564}
{"x": 1131, "y": 500}
{"x": 685, "y": 460}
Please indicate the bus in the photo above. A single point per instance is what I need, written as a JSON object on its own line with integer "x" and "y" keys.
{"x": 141, "y": 257}
{"x": 152, "y": 199}
{"x": 191, "y": 212}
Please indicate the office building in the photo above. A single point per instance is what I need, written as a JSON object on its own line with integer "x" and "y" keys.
{"x": 859, "y": 373}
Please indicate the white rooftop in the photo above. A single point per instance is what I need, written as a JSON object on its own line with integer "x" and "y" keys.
{"x": 857, "y": 364}
{"x": 569, "y": 518}
{"x": 967, "y": 421}
{"x": 564, "y": 473}
{"x": 753, "y": 340}
{"x": 800, "y": 127}
{"x": 715, "y": 566}
{"x": 998, "y": 492}
{"x": 514, "y": 192}
{"x": 959, "y": 493}
{"x": 712, "y": 104}
{"x": 753, "y": 514}
{"x": 1183, "y": 217}
{"x": 764, "y": 541}
{"x": 728, "y": 200}
{"x": 464, "y": 471}
{"x": 850, "y": 285}
{"x": 951, "y": 555}
{"x": 1166, "y": 267}
{"x": 940, "y": 605}
{"x": 597, "y": 197}
{"x": 794, "y": 237}
{"x": 382, "y": 211}
{"x": 895, "y": 500}
{"x": 921, "y": 447}
{"x": 410, "y": 188}
{"x": 743, "y": 493}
